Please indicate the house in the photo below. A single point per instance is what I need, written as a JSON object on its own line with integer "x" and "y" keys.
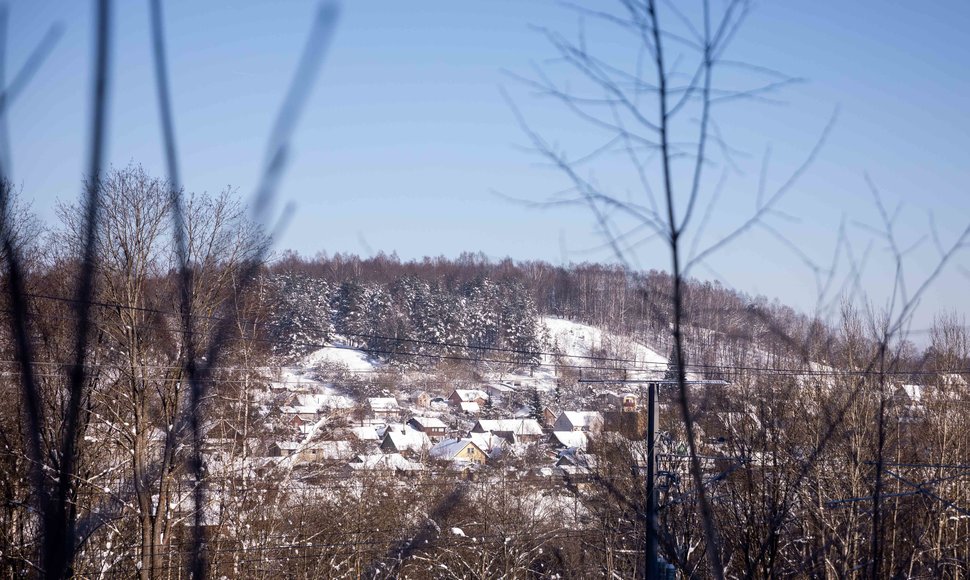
{"x": 222, "y": 434}
{"x": 300, "y": 418}
{"x": 576, "y": 462}
{"x": 306, "y": 422}
{"x": 313, "y": 452}
{"x": 367, "y": 433}
{"x": 421, "y": 399}
{"x": 321, "y": 451}
{"x": 549, "y": 416}
{"x": 471, "y": 408}
{"x": 910, "y": 399}
{"x": 626, "y": 402}
{"x": 459, "y": 450}
{"x": 288, "y": 411}
{"x": 591, "y": 421}
{"x": 512, "y": 430}
{"x": 499, "y": 390}
{"x": 385, "y": 408}
{"x": 459, "y": 396}
{"x": 283, "y": 448}
{"x": 431, "y": 426}
{"x": 310, "y": 402}
{"x": 404, "y": 439}
{"x": 493, "y": 445}
{"x": 568, "y": 439}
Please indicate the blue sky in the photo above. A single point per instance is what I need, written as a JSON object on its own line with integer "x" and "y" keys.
{"x": 406, "y": 138}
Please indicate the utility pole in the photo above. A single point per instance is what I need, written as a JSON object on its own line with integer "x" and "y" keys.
{"x": 650, "y": 552}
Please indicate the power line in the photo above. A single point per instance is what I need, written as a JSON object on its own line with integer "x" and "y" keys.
{"x": 176, "y": 315}
{"x": 640, "y": 366}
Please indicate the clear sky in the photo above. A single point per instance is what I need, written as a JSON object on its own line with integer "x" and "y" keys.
{"x": 406, "y": 138}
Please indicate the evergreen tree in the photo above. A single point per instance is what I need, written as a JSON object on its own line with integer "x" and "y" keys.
{"x": 300, "y": 317}
{"x": 521, "y": 326}
{"x": 350, "y": 314}
{"x": 535, "y": 405}
{"x": 483, "y": 316}
{"x": 673, "y": 364}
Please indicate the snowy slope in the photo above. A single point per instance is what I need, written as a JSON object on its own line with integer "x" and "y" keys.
{"x": 299, "y": 378}
{"x": 576, "y": 341}
{"x": 339, "y": 354}
{"x": 323, "y": 394}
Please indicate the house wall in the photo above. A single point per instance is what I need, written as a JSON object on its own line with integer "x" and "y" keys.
{"x": 471, "y": 453}
{"x": 563, "y": 424}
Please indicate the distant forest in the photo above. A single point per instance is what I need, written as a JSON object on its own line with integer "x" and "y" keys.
{"x": 471, "y": 304}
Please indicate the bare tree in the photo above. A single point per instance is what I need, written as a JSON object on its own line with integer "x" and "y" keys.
{"x": 146, "y": 347}
{"x": 656, "y": 109}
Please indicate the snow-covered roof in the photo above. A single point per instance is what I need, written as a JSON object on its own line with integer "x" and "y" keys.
{"x": 575, "y": 439}
{"x": 429, "y": 422}
{"x": 450, "y": 449}
{"x": 523, "y": 412}
{"x": 491, "y": 444}
{"x": 378, "y": 461}
{"x": 314, "y": 400}
{"x": 470, "y": 407}
{"x": 365, "y": 433}
{"x": 407, "y": 438}
{"x": 383, "y": 403}
{"x": 515, "y": 426}
{"x": 288, "y": 445}
{"x": 575, "y": 460}
{"x": 468, "y": 395}
{"x": 582, "y": 418}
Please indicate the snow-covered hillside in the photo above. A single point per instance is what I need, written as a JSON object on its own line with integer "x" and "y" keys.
{"x": 294, "y": 378}
{"x": 578, "y": 342}
{"x": 354, "y": 360}
{"x": 298, "y": 377}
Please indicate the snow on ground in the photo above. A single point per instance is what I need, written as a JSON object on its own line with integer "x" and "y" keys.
{"x": 298, "y": 377}
{"x": 339, "y": 354}
{"x": 577, "y": 341}
{"x": 324, "y": 394}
